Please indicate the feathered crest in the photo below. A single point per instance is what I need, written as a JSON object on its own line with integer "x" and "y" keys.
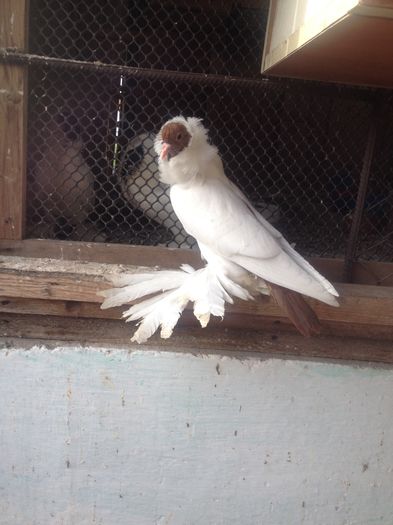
{"x": 193, "y": 125}
{"x": 190, "y": 163}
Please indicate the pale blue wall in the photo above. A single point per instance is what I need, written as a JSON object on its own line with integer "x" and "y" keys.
{"x": 91, "y": 437}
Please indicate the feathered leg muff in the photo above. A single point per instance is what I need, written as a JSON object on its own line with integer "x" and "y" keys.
{"x": 170, "y": 291}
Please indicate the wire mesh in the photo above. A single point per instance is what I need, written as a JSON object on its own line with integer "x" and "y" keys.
{"x": 376, "y": 233}
{"x": 206, "y": 36}
{"x": 296, "y": 149}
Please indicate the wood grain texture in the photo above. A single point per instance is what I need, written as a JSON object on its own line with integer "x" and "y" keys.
{"x": 234, "y": 320}
{"x": 370, "y": 272}
{"x": 191, "y": 338}
{"x": 364, "y": 311}
{"x": 57, "y": 308}
{"x": 14, "y": 22}
{"x": 101, "y": 252}
{"x": 13, "y": 104}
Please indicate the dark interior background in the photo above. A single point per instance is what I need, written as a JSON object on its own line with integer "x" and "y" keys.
{"x": 294, "y": 145}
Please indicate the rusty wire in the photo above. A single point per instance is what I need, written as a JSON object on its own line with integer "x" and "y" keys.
{"x": 103, "y": 80}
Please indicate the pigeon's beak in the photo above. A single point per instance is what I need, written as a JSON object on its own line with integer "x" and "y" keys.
{"x": 165, "y": 151}
{"x": 168, "y": 151}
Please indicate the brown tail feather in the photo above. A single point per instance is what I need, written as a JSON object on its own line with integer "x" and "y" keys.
{"x": 296, "y": 308}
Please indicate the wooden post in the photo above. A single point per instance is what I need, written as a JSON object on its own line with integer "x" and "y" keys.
{"x": 13, "y": 120}
{"x": 362, "y": 193}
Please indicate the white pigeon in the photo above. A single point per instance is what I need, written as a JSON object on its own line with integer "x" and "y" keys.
{"x": 232, "y": 235}
{"x": 244, "y": 254}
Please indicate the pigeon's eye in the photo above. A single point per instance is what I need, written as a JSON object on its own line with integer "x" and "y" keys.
{"x": 178, "y": 136}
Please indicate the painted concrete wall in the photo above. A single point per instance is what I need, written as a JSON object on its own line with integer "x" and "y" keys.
{"x": 90, "y": 436}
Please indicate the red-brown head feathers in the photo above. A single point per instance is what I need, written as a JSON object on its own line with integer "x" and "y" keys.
{"x": 175, "y": 139}
{"x": 184, "y": 151}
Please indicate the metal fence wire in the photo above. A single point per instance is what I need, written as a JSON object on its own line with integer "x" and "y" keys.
{"x": 296, "y": 149}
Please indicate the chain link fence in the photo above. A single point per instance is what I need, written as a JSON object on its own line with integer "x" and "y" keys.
{"x": 295, "y": 148}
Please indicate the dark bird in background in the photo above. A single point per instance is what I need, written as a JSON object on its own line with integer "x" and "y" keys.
{"x": 62, "y": 186}
{"x": 140, "y": 185}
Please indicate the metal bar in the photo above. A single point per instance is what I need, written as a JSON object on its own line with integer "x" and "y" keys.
{"x": 15, "y": 56}
{"x": 352, "y": 245}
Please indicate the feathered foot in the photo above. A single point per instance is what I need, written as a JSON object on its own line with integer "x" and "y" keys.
{"x": 171, "y": 292}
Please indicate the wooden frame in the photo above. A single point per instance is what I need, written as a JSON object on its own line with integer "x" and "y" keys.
{"x": 267, "y": 341}
{"x": 49, "y": 289}
{"x": 345, "y": 41}
{"x": 371, "y": 272}
{"x": 13, "y": 121}
{"x": 48, "y": 282}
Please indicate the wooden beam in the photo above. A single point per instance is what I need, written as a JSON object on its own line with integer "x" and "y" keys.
{"x": 112, "y": 333}
{"x": 364, "y": 309}
{"x": 60, "y": 308}
{"x": 13, "y": 121}
{"x": 364, "y": 272}
{"x": 250, "y": 321}
{"x": 101, "y": 252}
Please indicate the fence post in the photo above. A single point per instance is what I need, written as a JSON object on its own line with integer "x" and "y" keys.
{"x": 350, "y": 253}
{"x": 13, "y": 121}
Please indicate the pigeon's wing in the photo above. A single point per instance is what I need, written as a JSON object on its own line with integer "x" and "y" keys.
{"x": 215, "y": 215}
{"x": 284, "y": 271}
{"x": 288, "y": 249}
{"x": 219, "y": 216}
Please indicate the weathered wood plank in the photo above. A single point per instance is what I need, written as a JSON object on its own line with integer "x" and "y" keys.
{"x": 14, "y": 24}
{"x": 101, "y": 252}
{"x": 366, "y": 307}
{"x": 185, "y": 339}
{"x": 13, "y": 122}
{"x": 370, "y": 272}
{"x": 233, "y": 320}
{"x": 59, "y": 308}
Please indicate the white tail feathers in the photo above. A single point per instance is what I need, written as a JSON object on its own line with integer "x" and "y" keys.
{"x": 207, "y": 289}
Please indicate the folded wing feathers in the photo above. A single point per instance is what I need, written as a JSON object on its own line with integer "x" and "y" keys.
{"x": 307, "y": 267}
{"x": 291, "y": 276}
{"x": 208, "y": 291}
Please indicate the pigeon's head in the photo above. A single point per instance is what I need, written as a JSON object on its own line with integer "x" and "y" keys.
{"x": 183, "y": 150}
{"x": 179, "y": 135}
{"x": 175, "y": 138}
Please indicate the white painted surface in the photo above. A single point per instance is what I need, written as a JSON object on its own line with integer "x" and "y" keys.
{"x": 90, "y": 437}
{"x": 292, "y": 16}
